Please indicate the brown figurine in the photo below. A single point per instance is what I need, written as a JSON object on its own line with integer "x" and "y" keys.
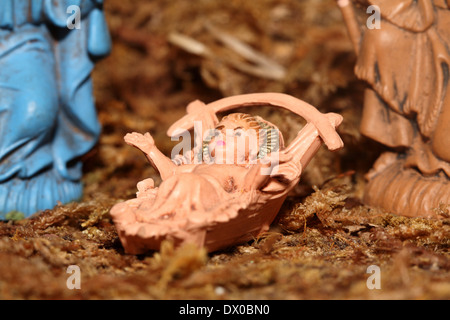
{"x": 236, "y": 189}
{"x": 406, "y": 61}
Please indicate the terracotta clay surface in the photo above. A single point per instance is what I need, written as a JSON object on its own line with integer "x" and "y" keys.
{"x": 406, "y": 62}
{"x": 219, "y": 204}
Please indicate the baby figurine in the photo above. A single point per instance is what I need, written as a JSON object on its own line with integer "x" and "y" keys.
{"x": 232, "y": 194}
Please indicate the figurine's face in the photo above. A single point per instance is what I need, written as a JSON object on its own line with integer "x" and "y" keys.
{"x": 234, "y": 141}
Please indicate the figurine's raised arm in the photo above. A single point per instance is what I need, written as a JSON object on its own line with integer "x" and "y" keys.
{"x": 158, "y": 160}
{"x": 196, "y": 111}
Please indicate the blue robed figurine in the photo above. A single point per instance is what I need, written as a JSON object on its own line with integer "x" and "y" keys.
{"x": 47, "y": 112}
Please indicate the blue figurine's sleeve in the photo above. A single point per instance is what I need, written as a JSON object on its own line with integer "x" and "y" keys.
{"x": 99, "y": 41}
{"x": 6, "y": 14}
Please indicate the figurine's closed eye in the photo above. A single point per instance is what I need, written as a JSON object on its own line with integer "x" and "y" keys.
{"x": 218, "y": 130}
{"x": 238, "y": 131}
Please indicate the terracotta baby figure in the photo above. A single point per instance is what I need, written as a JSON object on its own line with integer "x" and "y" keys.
{"x": 405, "y": 60}
{"x": 235, "y": 192}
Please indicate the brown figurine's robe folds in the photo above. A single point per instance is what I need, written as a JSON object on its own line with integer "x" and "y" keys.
{"x": 406, "y": 63}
